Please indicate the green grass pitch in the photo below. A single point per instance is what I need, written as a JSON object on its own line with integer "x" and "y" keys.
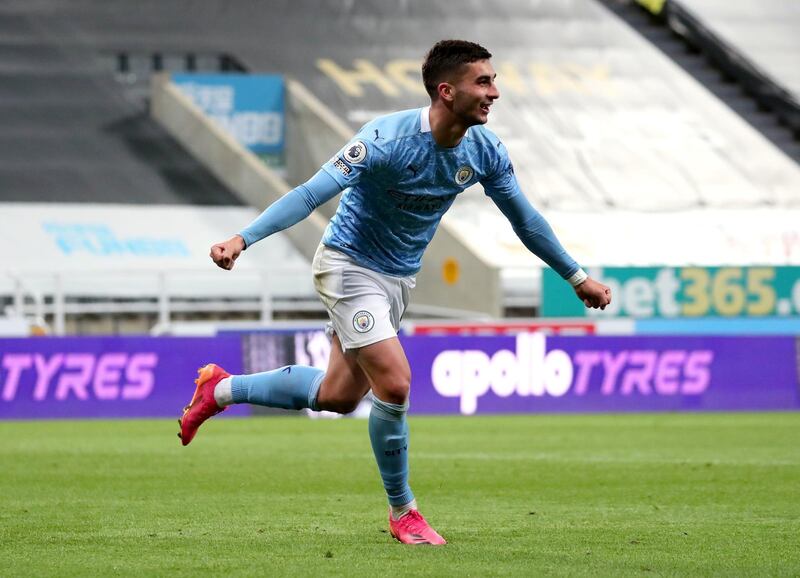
{"x": 609, "y": 495}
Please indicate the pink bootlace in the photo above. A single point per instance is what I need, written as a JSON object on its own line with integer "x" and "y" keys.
{"x": 414, "y": 522}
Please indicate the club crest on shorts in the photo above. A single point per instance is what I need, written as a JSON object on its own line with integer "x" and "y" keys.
{"x": 355, "y": 153}
{"x": 363, "y": 321}
{"x": 464, "y": 174}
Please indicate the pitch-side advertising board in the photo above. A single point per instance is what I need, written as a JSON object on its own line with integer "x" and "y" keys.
{"x": 682, "y": 292}
{"x": 106, "y": 376}
{"x": 523, "y": 373}
{"x": 532, "y": 373}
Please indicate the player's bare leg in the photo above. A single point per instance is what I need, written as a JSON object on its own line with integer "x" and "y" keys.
{"x": 387, "y": 368}
{"x": 345, "y": 384}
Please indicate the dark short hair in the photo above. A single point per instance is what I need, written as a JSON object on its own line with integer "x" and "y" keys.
{"x": 446, "y": 58}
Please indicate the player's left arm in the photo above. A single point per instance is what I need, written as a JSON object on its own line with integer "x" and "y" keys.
{"x": 538, "y": 236}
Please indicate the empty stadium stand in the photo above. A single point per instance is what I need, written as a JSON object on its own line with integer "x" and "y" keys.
{"x": 765, "y": 34}
{"x": 755, "y": 84}
{"x": 575, "y": 80}
{"x": 70, "y": 135}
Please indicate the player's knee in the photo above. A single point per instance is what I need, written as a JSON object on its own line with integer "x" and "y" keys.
{"x": 396, "y": 390}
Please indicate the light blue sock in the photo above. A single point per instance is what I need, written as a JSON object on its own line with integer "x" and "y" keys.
{"x": 290, "y": 387}
{"x": 388, "y": 432}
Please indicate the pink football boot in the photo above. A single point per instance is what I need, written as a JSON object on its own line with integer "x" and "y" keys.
{"x": 203, "y": 405}
{"x": 412, "y": 528}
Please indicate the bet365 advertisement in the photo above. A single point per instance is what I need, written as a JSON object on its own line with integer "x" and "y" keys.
{"x": 688, "y": 292}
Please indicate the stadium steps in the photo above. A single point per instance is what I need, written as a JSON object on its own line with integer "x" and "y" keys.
{"x": 763, "y": 33}
{"x": 69, "y": 133}
{"x": 716, "y": 81}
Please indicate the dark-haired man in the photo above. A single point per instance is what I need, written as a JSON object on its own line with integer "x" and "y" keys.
{"x": 372, "y": 248}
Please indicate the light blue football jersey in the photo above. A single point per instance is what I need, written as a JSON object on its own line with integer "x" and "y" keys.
{"x": 398, "y": 183}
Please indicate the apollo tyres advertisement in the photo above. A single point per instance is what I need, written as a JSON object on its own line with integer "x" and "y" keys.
{"x": 534, "y": 373}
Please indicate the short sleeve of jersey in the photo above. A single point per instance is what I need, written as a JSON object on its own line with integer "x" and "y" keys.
{"x": 356, "y": 158}
{"x": 501, "y": 182}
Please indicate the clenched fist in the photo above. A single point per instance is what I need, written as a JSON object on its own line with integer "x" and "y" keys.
{"x": 593, "y": 294}
{"x": 225, "y": 254}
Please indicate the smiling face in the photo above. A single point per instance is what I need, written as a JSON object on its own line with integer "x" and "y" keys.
{"x": 472, "y": 92}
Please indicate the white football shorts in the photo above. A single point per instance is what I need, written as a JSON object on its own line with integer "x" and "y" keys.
{"x": 364, "y": 306}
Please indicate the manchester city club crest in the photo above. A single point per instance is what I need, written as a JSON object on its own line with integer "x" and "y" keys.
{"x": 464, "y": 174}
{"x": 363, "y": 321}
{"x": 355, "y": 152}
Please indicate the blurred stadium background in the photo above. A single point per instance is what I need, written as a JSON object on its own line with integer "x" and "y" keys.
{"x": 660, "y": 138}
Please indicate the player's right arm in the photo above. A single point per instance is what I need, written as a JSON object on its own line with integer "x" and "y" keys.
{"x": 345, "y": 169}
{"x": 290, "y": 209}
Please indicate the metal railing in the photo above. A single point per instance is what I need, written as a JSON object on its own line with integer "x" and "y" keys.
{"x": 39, "y": 295}
{"x": 56, "y": 295}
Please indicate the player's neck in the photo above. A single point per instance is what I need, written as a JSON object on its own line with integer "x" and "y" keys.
{"x": 447, "y": 130}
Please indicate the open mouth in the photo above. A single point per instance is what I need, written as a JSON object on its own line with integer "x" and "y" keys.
{"x": 485, "y": 108}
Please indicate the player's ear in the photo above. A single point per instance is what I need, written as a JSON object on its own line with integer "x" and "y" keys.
{"x": 445, "y": 90}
